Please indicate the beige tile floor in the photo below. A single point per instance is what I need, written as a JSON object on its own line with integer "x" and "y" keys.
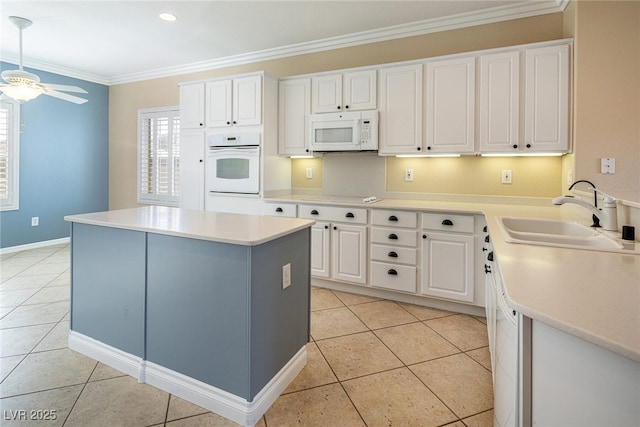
{"x": 370, "y": 363}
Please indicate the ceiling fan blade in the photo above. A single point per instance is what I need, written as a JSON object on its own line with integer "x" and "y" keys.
{"x": 64, "y": 88}
{"x": 64, "y": 96}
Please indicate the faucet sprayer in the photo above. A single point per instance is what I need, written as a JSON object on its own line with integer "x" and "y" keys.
{"x": 608, "y": 214}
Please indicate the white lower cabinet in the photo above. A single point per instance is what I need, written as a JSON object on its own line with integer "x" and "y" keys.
{"x": 338, "y": 242}
{"x": 349, "y": 253}
{"x": 393, "y": 250}
{"x": 320, "y": 249}
{"x": 577, "y": 383}
{"x": 448, "y": 266}
{"x": 393, "y": 255}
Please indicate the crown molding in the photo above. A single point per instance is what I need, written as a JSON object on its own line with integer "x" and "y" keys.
{"x": 469, "y": 19}
{"x": 55, "y": 69}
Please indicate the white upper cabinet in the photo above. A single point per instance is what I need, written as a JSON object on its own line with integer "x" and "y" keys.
{"x": 546, "y": 106}
{"x": 294, "y": 105}
{"x": 192, "y": 106}
{"x": 350, "y": 91}
{"x": 400, "y": 112}
{"x": 359, "y": 90}
{"x": 499, "y": 102}
{"x": 450, "y": 105}
{"x": 236, "y": 102}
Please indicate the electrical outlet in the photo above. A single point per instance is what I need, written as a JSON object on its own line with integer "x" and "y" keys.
{"x": 286, "y": 276}
{"x": 506, "y": 176}
{"x": 569, "y": 177}
{"x": 309, "y": 173}
{"x": 408, "y": 174}
{"x": 35, "y": 221}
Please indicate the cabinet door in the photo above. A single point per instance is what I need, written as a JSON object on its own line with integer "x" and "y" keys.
{"x": 192, "y": 106}
{"x": 359, "y": 92}
{"x": 448, "y": 266}
{"x": 451, "y": 106}
{"x": 219, "y": 103}
{"x": 499, "y": 102}
{"x": 400, "y": 121}
{"x": 192, "y": 169}
{"x": 349, "y": 253}
{"x": 326, "y": 94}
{"x": 293, "y": 107}
{"x": 546, "y": 108}
{"x": 247, "y": 101}
{"x": 320, "y": 249}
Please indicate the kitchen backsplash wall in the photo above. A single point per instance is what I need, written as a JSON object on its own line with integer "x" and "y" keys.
{"x": 362, "y": 173}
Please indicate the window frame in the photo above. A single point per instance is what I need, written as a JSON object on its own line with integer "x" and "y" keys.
{"x": 12, "y": 201}
{"x": 154, "y": 198}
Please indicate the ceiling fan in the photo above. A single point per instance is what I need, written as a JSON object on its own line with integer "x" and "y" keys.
{"x": 24, "y": 86}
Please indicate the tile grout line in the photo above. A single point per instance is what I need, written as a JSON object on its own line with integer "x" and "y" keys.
{"x": 408, "y": 367}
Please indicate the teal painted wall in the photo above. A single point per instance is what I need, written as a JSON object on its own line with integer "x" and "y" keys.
{"x": 64, "y": 162}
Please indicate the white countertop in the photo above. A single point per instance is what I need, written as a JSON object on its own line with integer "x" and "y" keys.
{"x": 246, "y": 230}
{"x": 590, "y": 294}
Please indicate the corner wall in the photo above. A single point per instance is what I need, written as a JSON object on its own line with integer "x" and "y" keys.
{"x": 64, "y": 162}
{"x": 607, "y": 94}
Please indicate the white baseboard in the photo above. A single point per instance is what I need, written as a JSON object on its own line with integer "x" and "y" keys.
{"x": 207, "y": 396}
{"x": 111, "y": 356}
{"x": 35, "y": 245}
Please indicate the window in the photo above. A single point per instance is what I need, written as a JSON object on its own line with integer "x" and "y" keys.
{"x": 159, "y": 156}
{"x": 9, "y": 154}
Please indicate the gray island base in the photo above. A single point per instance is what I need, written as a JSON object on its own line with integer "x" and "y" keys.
{"x": 194, "y": 303}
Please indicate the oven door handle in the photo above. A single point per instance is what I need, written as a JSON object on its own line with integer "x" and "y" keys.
{"x": 234, "y": 150}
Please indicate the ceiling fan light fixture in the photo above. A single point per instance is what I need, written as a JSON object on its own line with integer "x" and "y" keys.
{"x": 23, "y": 86}
{"x": 22, "y": 93}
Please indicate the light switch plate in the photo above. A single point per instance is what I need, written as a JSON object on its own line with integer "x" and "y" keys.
{"x": 608, "y": 165}
{"x": 309, "y": 173}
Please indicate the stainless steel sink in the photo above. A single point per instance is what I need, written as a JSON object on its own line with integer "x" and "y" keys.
{"x": 568, "y": 234}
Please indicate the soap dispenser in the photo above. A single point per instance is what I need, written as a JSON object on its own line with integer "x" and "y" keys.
{"x": 609, "y": 212}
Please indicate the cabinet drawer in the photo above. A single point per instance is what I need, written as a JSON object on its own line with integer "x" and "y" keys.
{"x": 394, "y": 218}
{"x": 281, "y": 209}
{"x": 394, "y": 254}
{"x": 447, "y": 222}
{"x": 392, "y": 276}
{"x": 333, "y": 213}
{"x": 394, "y": 236}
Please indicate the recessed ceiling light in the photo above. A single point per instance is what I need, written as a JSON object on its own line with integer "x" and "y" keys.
{"x": 167, "y": 16}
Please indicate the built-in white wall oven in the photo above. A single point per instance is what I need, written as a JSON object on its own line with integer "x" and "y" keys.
{"x": 233, "y": 163}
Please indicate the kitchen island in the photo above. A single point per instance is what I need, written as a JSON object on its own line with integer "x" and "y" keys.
{"x": 211, "y": 307}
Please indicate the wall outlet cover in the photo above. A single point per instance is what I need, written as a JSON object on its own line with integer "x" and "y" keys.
{"x": 506, "y": 176}
{"x": 408, "y": 174}
{"x": 286, "y": 276}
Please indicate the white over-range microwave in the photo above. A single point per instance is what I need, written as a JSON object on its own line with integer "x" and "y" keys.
{"x": 349, "y": 131}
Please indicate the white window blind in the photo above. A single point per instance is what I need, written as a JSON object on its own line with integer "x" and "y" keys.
{"x": 159, "y": 156}
{"x": 9, "y": 154}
